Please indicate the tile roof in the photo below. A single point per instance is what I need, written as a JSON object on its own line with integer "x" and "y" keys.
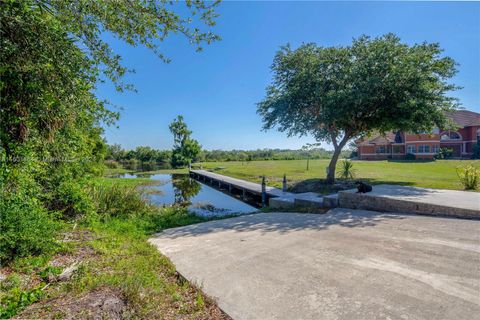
{"x": 465, "y": 118}
{"x": 378, "y": 138}
{"x": 388, "y": 138}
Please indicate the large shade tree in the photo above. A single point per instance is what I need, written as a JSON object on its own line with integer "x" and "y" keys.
{"x": 337, "y": 94}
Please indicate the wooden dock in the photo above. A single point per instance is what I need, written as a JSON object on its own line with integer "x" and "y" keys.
{"x": 276, "y": 197}
{"x": 246, "y": 186}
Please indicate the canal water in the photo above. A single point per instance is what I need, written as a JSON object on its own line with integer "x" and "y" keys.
{"x": 201, "y": 199}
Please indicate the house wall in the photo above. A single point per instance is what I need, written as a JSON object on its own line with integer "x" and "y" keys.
{"x": 469, "y": 135}
{"x": 461, "y": 148}
{"x": 369, "y": 152}
{"x": 422, "y": 137}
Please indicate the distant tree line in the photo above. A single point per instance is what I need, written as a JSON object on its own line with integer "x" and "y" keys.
{"x": 147, "y": 154}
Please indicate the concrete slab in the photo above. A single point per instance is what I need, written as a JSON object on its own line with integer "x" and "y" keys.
{"x": 281, "y": 203}
{"x": 393, "y": 198}
{"x": 346, "y": 264}
{"x": 307, "y": 200}
{"x": 330, "y": 201}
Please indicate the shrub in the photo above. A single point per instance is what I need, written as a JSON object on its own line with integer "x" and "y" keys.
{"x": 346, "y": 170}
{"x": 118, "y": 200}
{"x": 469, "y": 176}
{"x": 444, "y": 153}
{"x": 112, "y": 164}
{"x": 71, "y": 198}
{"x": 410, "y": 156}
{"x": 26, "y": 228}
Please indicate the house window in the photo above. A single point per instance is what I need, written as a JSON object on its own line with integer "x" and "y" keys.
{"x": 397, "y": 149}
{"x": 450, "y": 135}
{"x": 436, "y": 148}
{"x": 478, "y": 136}
{"x": 424, "y": 149}
{"x": 411, "y": 149}
{"x": 381, "y": 149}
{"x": 398, "y": 137}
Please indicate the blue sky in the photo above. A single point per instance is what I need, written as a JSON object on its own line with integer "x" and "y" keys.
{"x": 217, "y": 90}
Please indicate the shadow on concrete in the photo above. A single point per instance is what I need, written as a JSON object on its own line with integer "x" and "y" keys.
{"x": 401, "y": 191}
{"x": 284, "y": 222}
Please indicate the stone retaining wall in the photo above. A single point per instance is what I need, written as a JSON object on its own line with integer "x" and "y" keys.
{"x": 352, "y": 200}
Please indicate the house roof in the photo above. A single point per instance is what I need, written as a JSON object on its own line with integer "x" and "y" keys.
{"x": 388, "y": 138}
{"x": 465, "y": 118}
{"x": 378, "y": 138}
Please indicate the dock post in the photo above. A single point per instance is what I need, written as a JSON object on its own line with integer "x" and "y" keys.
{"x": 219, "y": 184}
{"x": 284, "y": 186}
{"x": 244, "y": 194}
{"x": 264, "y": 193}
{"x": 230, "y": 188}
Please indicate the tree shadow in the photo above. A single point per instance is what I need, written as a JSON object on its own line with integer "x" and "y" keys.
{"x": 411, "y": 161}
{"x": 283, "y": 222}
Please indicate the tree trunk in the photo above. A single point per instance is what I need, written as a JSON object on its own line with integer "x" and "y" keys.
{"x": 333, "y": 165}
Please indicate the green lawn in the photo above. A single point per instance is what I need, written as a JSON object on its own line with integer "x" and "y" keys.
{"x": 439, "y": 174}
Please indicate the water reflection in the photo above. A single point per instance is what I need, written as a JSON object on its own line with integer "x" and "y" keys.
{"x": 184, "y": 188}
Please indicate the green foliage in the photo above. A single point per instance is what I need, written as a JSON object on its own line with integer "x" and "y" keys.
{"x": 337, "y": 93}
{"x": 71, "y": 199}
{"x": 185, "y": 149}
{"x": 17, "y": 300}
{"x": 49, "y": 272}
{"x": 116, "y": 200}
{"x": 26, "y": 227}
{"x": 444, "y": 153}
{"x": 469, "y": 176}
{"x": 410, "y": 157}
{"x": 142, "y": 156}
{"x": 346, "y": 170}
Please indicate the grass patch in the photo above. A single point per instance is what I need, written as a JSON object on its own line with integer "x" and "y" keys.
{"x": 441, "y": 174}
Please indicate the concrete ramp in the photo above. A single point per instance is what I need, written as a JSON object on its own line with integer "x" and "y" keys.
{"x": 345, "y": 264}
{"x": 393, "y": 198}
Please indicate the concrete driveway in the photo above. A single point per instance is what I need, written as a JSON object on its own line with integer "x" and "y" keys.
{"x": 346, "y": 264}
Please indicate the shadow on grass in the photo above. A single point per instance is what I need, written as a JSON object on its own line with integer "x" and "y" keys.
{"x": 284, "y": 223}
{"x": 320, "y": 185}
{"x": 411, "y": 161}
